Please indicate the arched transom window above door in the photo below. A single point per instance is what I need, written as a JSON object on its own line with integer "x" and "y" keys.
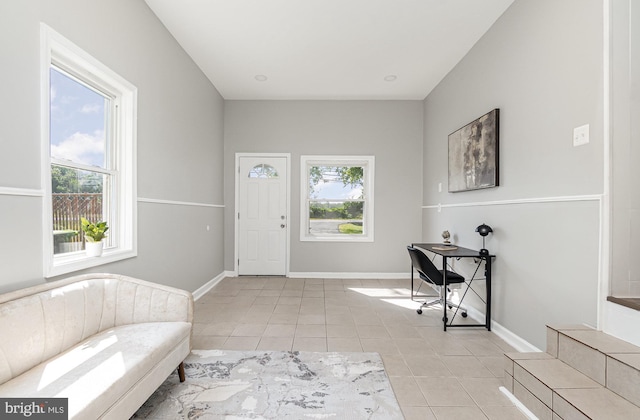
{"x": 263, "y": 170}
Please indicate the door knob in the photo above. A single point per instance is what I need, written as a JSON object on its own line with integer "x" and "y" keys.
{"x": 282, "y": 226}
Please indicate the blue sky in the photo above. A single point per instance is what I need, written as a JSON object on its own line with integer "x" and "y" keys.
{"x": 77, "y": 121}
{"x": 336, "y": 190}
{"x": 332, "y": 187}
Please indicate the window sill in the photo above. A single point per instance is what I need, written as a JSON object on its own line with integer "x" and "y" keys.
{"x": 337, "y": 238}
{"x": 79, "y": 261}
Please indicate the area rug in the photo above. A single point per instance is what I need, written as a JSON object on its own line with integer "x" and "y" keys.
{"x": 230, "y": 385}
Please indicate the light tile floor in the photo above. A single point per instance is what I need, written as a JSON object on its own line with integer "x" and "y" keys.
{"x": 434, "y": 374}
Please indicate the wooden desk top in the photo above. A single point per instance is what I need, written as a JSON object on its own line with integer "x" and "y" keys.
{"x": 455, "y": 251}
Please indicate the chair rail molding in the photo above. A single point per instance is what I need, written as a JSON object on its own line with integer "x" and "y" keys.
{"x": 178, "y": 203}
{"x": 534, "y": 200}
{"x": 24, "y": 192}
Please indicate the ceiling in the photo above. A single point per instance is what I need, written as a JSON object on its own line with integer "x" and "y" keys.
{"x": 327, "y": 49}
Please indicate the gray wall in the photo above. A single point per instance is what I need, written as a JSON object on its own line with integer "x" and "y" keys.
{"x": 389, "y": 130}
{"x": 180, "y": 139}
{"x": 625, "y": 150}
{"x": 541, "y": 64}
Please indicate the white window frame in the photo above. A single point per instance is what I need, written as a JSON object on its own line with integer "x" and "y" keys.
{"x": 56, "y": 49}
{"x": 368, "y": 164}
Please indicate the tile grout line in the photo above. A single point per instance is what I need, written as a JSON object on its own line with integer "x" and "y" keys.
{"x": 370, "y": 303}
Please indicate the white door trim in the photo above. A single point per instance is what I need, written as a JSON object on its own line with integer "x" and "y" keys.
{"x": 236, "y": 252}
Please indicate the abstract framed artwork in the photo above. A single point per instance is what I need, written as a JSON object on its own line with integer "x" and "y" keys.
{"x": 473, "y": 154}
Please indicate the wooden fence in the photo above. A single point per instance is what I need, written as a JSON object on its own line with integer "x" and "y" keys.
{"x": 67, "y": 211}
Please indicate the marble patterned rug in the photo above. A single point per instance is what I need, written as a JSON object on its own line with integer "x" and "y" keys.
{"x": 224, "y": 384}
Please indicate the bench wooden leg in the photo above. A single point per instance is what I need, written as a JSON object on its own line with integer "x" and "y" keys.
{"x": 181, "y": 371}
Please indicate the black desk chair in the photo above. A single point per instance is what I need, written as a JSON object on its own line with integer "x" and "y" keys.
{"x": 430, "y": 274}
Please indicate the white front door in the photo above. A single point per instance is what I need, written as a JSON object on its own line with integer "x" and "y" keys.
{"x": 262, "y": 215}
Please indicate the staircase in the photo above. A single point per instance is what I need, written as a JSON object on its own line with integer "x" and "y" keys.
{"x": 585, "y": 374}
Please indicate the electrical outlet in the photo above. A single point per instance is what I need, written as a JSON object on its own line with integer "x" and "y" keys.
{"x": 581, "y": 135}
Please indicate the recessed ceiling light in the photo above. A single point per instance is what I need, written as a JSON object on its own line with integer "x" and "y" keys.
{"x": 390, "y": 78}
{"x": 261, "y": 78}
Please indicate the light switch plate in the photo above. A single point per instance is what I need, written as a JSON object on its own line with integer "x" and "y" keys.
{"x": 581, "y": 135}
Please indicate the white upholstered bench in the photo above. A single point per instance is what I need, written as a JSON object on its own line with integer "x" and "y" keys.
{"x": 104, "y": 341}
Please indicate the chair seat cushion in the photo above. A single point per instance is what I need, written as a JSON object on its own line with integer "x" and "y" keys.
{"x": 453, "y": 277}
{"x": 100, "y": 369}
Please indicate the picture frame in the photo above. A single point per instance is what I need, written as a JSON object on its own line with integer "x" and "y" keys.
{"x": 473, "y": 154}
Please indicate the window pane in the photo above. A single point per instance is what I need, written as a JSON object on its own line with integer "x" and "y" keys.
{"x": 331, "y": 209}
{"x": 336, "y": 217}
{"x": 78, "y": 121}
{"x": 263, "y": 171}
{"x": 337, "y": 198}
{"x": 88, "y": 151}
{"x": 75, "y": 194}
{"x": 71, "y": 180}
{"x": 336, "y": 182}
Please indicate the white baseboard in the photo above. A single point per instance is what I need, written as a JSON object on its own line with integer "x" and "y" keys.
{"x": 518, "y": 404}
{"x": 202, "y": 290}
{"x": 508, "y": 336}
{"x": 340, "y": 275}
{"x": 515, "y": 341}
{"x": 343, "y": 275}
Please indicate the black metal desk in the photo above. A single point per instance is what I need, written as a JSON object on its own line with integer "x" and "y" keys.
{"x": 460, "y": 252}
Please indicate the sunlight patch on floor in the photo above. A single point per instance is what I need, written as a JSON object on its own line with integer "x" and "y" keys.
{"x": 381, "y": 292}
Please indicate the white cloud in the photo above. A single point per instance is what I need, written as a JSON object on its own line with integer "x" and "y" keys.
{"x": 91, "y": 108}
{"x": 67, "y": 99}
{"x": 81, "y": 148}
{"x": 336, "y": 190}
